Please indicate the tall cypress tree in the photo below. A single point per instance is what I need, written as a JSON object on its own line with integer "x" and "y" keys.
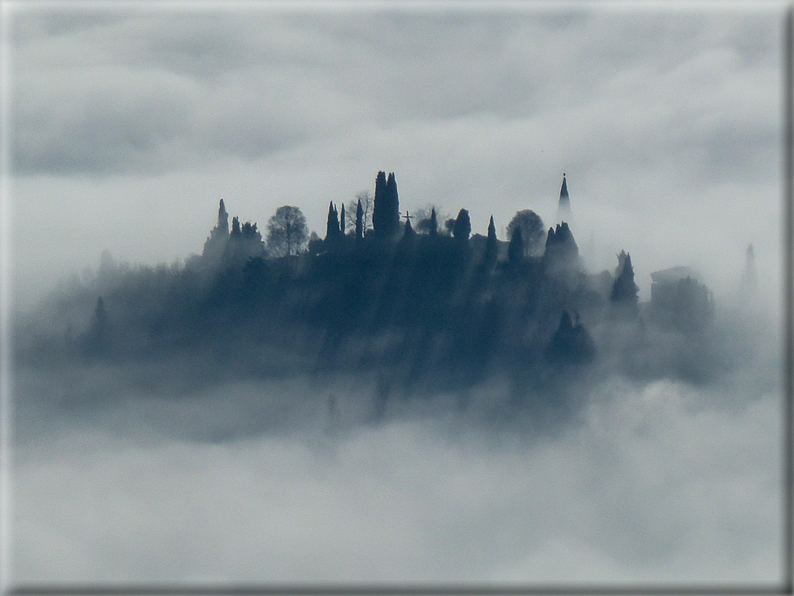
{"x": 379, "y": 208}
{"x": 332, "y": 224}
{"x": 462, "y": 228}
{"x": 386, "y": 211}
{"x": 491, "y": 246}
{"x": 223, "y": 220}
{"x": 624, "y": 289}
{"x": 359, "y": 221}
{"x": 342, "y": 221}
{"x": 433, "y": 222}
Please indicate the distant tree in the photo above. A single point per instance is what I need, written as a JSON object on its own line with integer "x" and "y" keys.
{"x": 249, "y": 232}
{"x": 223, "y": 219}
{"x": 386, "y": 209}
{"x": 408, "y": 230}
{"x": 342, "y": 221}
{"x": 332, "y": 225}
{"x": 427, "y": 219}
{"x": 359, "y": 220}
{"x": 367, "y": 202}
{"x": 449, "y": 226}
{"x": 245, "y": 242}
{"x": 491, "y": 245}
{"x": 515, "y": 250}
{"x": 533, "y": 232}
{"x": 286, "y": 231}
{"x": 315, "y": 245}
{"x": 462, "y": 229}
{"x": 219, "y": 235}
{"x": 561, "y": 253}
{"x": 624, "y": 289}
{"x": 571, "y": 343}
{"x": 433, "y": 223}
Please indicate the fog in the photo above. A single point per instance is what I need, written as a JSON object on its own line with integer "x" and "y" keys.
{"x": 426, "y": 408}
{"x": 648, "y": 482}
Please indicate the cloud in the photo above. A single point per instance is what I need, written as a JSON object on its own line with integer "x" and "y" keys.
{"x": 654, "y": 483}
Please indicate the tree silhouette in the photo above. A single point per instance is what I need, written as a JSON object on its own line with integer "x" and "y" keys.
{"x": 286, "y": 231}
{"x": 571, "y": 343}
{"x": 427, "y": 220}
{"x": 533, "y": 231}
{"x": 365, "y": 198}
{"x": 491, "y": 246}
{"x": 332, "y": 225}
{"x": 462, "y": 229}
{"x": 386, "y": 210}
{"x": 214, "y": 245}
{"x": 359, "y": 220}
{"x": 624, "y": 290}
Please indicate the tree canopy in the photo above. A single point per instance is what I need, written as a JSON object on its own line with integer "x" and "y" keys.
{"x": 286, "y": 231}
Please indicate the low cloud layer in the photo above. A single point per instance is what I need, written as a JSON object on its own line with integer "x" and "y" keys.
{"x": 660, "y": 482}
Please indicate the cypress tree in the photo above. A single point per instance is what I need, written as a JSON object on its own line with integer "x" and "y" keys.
{"x": 490, "y": 244}
{"x": 342, "y": 221}
{"x": 379, "y": 207}
{"x": 433, "y": 222}
{"x": 624, "y": 289}
{"x": 235, "y": 226}
{"x": 462, "y": 228}
{"x": 393, "y": 206}
{"x": 386, "y": 211}
{"x": 359, "y": 221}
{"x": 332, "y": 224}
{"x": 223, "y": 220}
{"x": 409, "y": 229}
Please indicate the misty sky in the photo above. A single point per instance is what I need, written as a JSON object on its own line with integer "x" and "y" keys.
{"x": 131, "y": 121}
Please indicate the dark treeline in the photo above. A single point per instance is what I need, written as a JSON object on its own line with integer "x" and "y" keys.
{"x": 422, "y": 302}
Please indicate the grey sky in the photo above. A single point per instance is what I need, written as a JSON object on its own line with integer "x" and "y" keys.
{"x": 129, "y": 124}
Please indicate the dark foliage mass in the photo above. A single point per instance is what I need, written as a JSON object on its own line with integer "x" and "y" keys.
{"x": 410, "y": 305}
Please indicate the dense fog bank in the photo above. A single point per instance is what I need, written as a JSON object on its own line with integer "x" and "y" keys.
{"x": 661, "y": 481}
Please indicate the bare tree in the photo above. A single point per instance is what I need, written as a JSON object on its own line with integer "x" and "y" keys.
{"x": 533, "y": 232}
{"x": 424, "y": 218}
{"x": 286, "y": 231}
{"x": 367, "y": 203}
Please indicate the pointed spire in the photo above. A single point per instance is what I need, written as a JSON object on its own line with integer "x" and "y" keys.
{"x": 565, "y": 202}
